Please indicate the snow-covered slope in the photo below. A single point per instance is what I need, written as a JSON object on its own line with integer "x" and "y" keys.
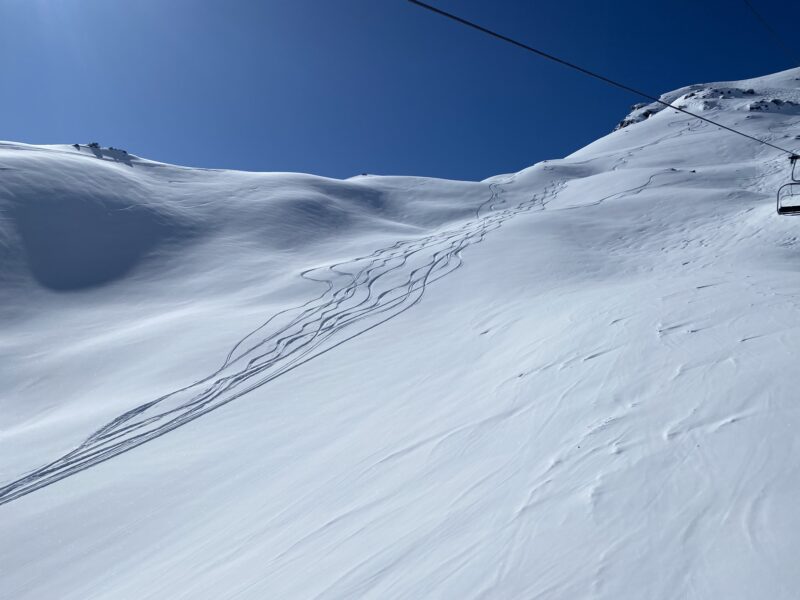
{"x": 575, "y": 381}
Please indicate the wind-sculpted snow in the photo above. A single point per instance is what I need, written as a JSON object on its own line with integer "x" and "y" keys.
{"x": 571, "y": 382}
{"x": 360, "y": 294}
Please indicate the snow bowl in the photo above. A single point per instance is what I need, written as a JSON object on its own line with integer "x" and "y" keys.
{"x": 73, "y": 243}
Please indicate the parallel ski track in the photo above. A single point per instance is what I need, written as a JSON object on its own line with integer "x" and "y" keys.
{"x": 360, "y": 294}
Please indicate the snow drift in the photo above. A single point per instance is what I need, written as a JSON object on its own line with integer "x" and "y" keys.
{"x": 573, "y": 381}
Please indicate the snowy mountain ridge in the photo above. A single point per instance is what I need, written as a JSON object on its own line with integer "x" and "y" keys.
{"x": 698, "y": 98}
{"x": 571, "y": 381}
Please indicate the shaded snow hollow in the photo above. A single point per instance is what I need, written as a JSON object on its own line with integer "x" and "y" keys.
{"x": 575, "y": 381}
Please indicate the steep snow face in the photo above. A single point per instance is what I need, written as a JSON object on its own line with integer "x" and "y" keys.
{"x": 573, "y": 381}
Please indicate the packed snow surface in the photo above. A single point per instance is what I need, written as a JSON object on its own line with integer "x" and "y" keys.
{"x": 575, "y": 381}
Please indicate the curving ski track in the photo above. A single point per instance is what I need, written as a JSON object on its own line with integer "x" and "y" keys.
{"x": 360, "y": 294}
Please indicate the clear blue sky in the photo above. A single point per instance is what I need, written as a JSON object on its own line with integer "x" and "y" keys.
{"x": 340, "y": 87}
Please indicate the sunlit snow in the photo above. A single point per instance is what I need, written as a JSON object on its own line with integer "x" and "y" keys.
{"x": 575, "y": 381}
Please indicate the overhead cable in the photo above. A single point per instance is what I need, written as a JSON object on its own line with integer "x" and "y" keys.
{"x": 778, "y": 39}
{"x": 590, "y": 73}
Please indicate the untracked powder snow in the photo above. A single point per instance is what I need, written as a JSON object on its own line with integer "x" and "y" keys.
{"x": 574, "y": 381}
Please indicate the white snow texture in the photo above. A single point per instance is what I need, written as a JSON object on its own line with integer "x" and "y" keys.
{"x": 575, "y": 381}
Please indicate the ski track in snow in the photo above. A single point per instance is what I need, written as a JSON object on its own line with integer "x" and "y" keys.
{"x": 601, "y": 405}
{"x": 361, "y": 294}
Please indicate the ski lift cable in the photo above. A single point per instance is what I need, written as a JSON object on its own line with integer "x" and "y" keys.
{"x": 778, "y": 39}
{"x": 602, "y": 78}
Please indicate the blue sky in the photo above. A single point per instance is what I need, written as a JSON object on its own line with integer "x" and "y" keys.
{"x": 340, "y": 87}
